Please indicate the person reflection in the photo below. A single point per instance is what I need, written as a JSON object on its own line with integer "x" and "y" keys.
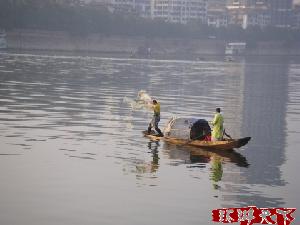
{"x": 150, "y": 167}
{"x": 153, "y": 146}
{"x": 216, "y": 171}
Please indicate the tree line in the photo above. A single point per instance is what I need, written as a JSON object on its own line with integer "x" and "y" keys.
{"x": 81, "y": 19}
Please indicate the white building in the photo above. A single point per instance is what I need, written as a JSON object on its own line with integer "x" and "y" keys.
{"x": 256, "y": 18}
{"x": 249, "y": 13}
{"x": 143, "y": 7}
{"x": 217, "y": 14}
{"x": 176, "y": 11}
{"x": 3, "y": 43}
{"x": 216, "y": 18}
{"x": 124, "y": 5}
{"x": 180, "y": 11}
{"x": 296, "y": 17}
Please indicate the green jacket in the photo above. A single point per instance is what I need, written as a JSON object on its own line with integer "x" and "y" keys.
{"x": 156, "y": 109}
{"x": 217, "y": 123}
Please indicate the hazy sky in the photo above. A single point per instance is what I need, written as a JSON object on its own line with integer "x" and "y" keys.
{"x": 295, "y": 1}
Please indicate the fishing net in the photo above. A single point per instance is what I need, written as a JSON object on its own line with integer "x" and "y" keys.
{"x": 142, "y": 101}
{"x": 187, "y": 128}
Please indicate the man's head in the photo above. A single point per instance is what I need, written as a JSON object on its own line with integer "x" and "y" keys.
{"x": 154, "y": 101}
{"x": 218, "y": 110}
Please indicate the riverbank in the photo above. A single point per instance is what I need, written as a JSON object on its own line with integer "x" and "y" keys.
{"x": 158, "y": 47}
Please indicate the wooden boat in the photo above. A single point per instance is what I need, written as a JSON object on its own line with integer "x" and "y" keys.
{"x": 227, "y": 144}
{"x": 191, "y": 131}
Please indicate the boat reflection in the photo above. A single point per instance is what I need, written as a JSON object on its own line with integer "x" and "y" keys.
{"x": 193, "y": 155}
{"x": 203, "y": 158}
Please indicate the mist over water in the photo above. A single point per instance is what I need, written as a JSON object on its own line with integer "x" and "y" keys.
{"x": 72, "y": 151}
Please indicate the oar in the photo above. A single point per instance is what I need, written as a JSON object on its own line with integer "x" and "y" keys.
{"x": 227, "y": 135}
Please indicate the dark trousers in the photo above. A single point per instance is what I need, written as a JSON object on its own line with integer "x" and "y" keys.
{"x": 154, "y": 123}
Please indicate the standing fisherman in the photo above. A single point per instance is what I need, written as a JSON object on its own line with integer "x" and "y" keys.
{"x": 217, "y": 132}
{"x": 156, "y": 118}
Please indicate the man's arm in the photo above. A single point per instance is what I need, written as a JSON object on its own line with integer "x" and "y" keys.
{"x": 215, "y": 120}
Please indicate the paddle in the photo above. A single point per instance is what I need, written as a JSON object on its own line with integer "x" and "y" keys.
{"x": 227, "y": 135}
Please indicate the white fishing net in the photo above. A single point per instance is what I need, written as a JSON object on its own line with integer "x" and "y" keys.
{"x": 143, "y": 101}
{"x": 179, "y": 127}
{"x": 144, "y": 96}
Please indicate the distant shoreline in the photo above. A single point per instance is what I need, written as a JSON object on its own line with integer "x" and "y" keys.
{"x": 127, "y": 46}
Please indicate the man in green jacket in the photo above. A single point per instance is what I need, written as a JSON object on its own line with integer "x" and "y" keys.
{"x": 217, "y": 132}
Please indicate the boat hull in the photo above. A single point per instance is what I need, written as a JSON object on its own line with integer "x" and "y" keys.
{"x": 228, "y": 144}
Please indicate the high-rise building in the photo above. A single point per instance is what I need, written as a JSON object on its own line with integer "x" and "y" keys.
{"x": 217, "y": 15}
{"x": 276, "y": 13}
{"x": 281, "y": 12}
{"x": 296, "y": 17}
{"x": 143, "y": 8}
{"x": 176, "y": 11}
{"x": 138, "y": 7}
{"x": 180, "y": 11}
{"x": 249, "y": 13}
{"x": 123, "y": 5}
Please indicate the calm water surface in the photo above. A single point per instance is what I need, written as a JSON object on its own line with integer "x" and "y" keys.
{"x": 72, "y": 152}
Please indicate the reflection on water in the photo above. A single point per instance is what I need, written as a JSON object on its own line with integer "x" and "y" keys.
{"x": 199, "y": 158}
{"x": 68, "y": 125}
{"x": 153, "y": 165}
{"x": 217, "y": 171}
{"x": 192, "y": 155}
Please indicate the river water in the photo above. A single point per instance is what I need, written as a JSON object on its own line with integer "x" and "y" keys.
{"x": 72, "y": 151}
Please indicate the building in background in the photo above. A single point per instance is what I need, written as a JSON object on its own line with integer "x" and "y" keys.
{"x": 217, "y": 13}
{"x": 143, "y": 8}
{"x": 257, "y": 15}
{"x": 281, "y": 12}
{"x": 276, "y": 13}
{"x": 100, "y": 4}
{"x": 180, "y": 11}
{"x": 135, "y": 7}
{"x": 217, "y": 18}
{"x": 175, "y": 11}
{"x": 296, "y": 17}
{"x": 3, "y": 42}
{"x": 127, "y": 6}
{"x": 247, "y": 13}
